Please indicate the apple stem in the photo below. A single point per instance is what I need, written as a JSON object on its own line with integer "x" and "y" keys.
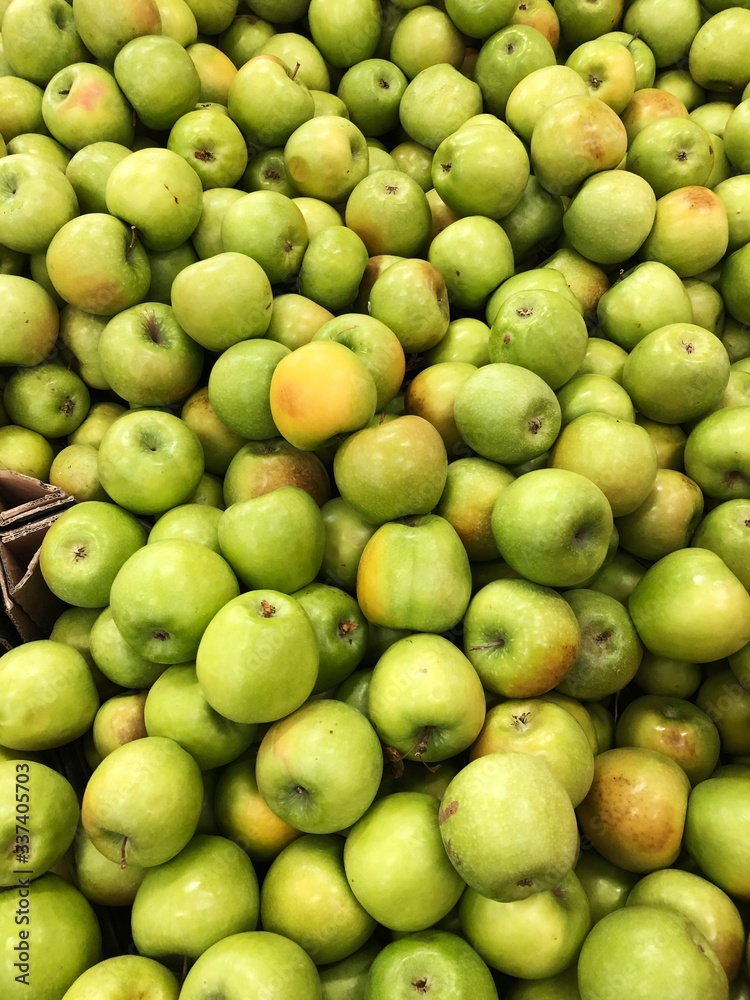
{"x": 133, "y": 238}
{"x": 123, "y": 859}
{"x": 296, "y": 70}
{"x": 184, "y": 968}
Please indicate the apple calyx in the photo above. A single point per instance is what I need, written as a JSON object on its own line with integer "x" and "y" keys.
{"x": 267, "y": 609}
{"x": 520, "y": 721}
{"x": 421, "y": 985}
{"x": 346, "y": 628}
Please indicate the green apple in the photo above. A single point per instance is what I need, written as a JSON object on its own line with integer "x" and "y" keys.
{"x": 89, "y": 169}
{"x": 436, "y": 102}
{"x": 161, "y": 363}
{"x": 326, "y": 157}
{"x": 507, "y": 413}
{"x": 239, "y": 387}
{"x": 540, "y": 331}
{"x": 481, "y": 170}
{"x": 253, "y": 963}
{"x": 165, "y": 266}
{"x": 371, "y": 90}
{"x": 115, "y": 978}
{"x": 414, "y": 159}
{"x": 239, "y": 305}
{"x": 31, "y": 917}
{"x": 202, "y": 895}
{"x": 727, "y": 32}
{"x": 390, "y": 213}
{"x": 411, "y": 298}
{"x": 391, "y": 469}
{"x": 332, "y": 268}
{"x": 341, "y": 632}
{"x": 567, "y": 541}
{"x": 118, "y": 661}
{"x": 530, "y": 938}
{"x": 603, "y": 358}
{"x": 346, "y": 534}
{"x": 690, "y": 233}
{"x": 644, "y": 299}
{"x": 104, "y": 31}
{"x": 25, "y": 451}
{"x": 724, "y": 531}
{"x": 176, "y": 708}
{"x": 158, "y": 444}
{"x": 318, "y": 215}
{"x": 269, "y": 228}
{"x": 433, "y": 961}
{"x": 48, "y": 695}
{"x": 718, "y": 815}
{"x": 262, "y": 466}
{"x": 21, "y": 107}
{"x": 505, "y": 59}
{"x": 574, "y": 138}
{"x": 178, "y": 21}
{"x": 414, "y": 574}
{"x": 606, "y": 885}
{"x": 83, "y": 104}
{"x": 708, "y": 305}
{"x": 392, "y": 854}
{"x": 187, "y": 585}
{"x": 508, "y": 631}
{"x": 671, "y": 153}
{"x": 118, "y": 721}
{"x": 270, "y": 637}
{"x": 711, "y": 911}
{"x": 610, "y": 651}
{"x": 343, "y": 979}
{"x": 466, "y": 340}
{"x": 213, "y": 146}
{"x": 542, "y": 729}
{"x": 593, "y": 393}
{"x": 157, "y": 192}
{"x": 111, "y": 270}
{"x": 26, "y": 304}
{"x": 431, "y": 394}
{"x": 662, "y": 676}
{"x": 295, "y": 319}
{"x": 666, "y": 520}
{"x": 474, "y": 256}
{"x": 306, "y": 897}
{"x": 297, "y": 50}
{"x": 26, "y": 182}
{"x": 142, "y": 803}
{"x": 398, "y": 699}
{"x": 735, "y": 135}
{"x": 690, "y": 606}
{"x": 508, "y": 854}
{"x": 194, "y": 521}
{"x": 158, "y": 78}
{"x": 621, "y": 948}
{"x": 48, "y": 398}
{"x": 43, "y": 146}
{"x": 317, "y": 784}
{"x": 82, "y": 552}
{"x": 674, "y": 727}
{"x": 609, "y": 72}
{"x": 668, "y": 34}
{"x": 243, "y": 816}
{"x": 40, "y": 38}
{"x": 263, "y": 83}
{"x": 426, "y": 36}
{"x": 733, "y": 287}
{"x": 39, "y": 821}
{"x": 471, "y": 488}
{"x": 611, "y": 215}
{"x": 206, "y": 237}
{"x": 725, "y": 699}
{"x": 626, "y": 482}
{"x": 345, "y": 31}
{"x": 634, "y": 812}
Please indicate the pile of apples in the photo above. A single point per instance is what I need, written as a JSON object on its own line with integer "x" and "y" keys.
{"x": 398, "y": 356}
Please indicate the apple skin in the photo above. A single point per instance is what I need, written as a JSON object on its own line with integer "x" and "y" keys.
{"x": 48, "y": 696}
{"x": 262, "y": 466}
{"x": 411, "y": 298}
{"x": 556, "y": 921}
{"x": 200, "y": 896}
{"x": 303, "y": 775}
{"x": 539, "y": 843}
{"x": 544, "y": 554}
{"x": 105, "y": 31}
{"x": 508, "y": 632}
{"x": 345, "y": 31}
{"x": 253, "y": 963}
{"x": 620, "y": 949}
{"x": 333, "y": 266}
{"x": 239, "y": 387}
{"x": 111, "y": 270}
{"x": 264, "y": 82}
{"x": 629, "y": 310}
{"x": 39, "y": 39}
{"x": 681, "y": 216}
{"x": 25, "y": 181}
{"x": 88, "y": 170}
{"x": 536, "y": 92}
{"x": 725, "y": 699}
{"x": 707, "y": 906}
{"x": 471, "y": 488}
{"x": 83, "y": 104}
{"x": 666, "y": 520}
{"x": 716, "y": 456}
{"x": 545, "y": 730}
{"x": 717, "y": 820}
{"x": 25, "y": 302}
{"x": 113, "y": 978}
{"x": 690, "y": 606}
{"x": 392, "y": 469}
{"x": 346, "y": 534}
{"x": 213, "y": 146}
{"x": 724, "y": 531}
{"x": 439, "y": 958}
{"x": 187, "y": 585}
{"x": 274, "y": 541}
{"x": 326, "y": 157}
{"x": 158, "y": 78}
{"x": 54, "y": 903}
{"x": 606, "y": 885}
{"x": 83, "y": 550}
{"x": 341, "y": 632}
{"x": 306, "y": 898}
{"x": 414, "y": 574}
{"x": 634, "y": 813}
{"x": 397, "y": 699}
{"x": 152, "y": 774}
{"x": 390, "y": 213}
{"x": 270, "y": 638}
{"x": 390, "y": 884}
{"x": 118, "y": 721}
{"x": 49, "y": 825}
{"x": 610, "y": 216}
